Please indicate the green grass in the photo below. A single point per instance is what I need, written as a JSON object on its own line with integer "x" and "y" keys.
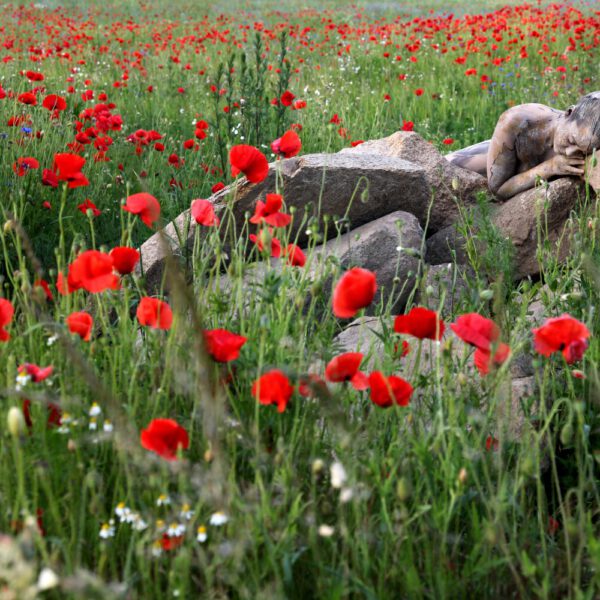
{"x": 426, "y": 510}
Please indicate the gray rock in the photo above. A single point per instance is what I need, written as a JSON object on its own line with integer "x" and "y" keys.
{"x": 374, "y": 246}
{"x": 447, "y": 281}
{"x": 358, "y": 188}
{"x": 517, "y": 220}
{"x": 449, "y": 185}
{"x": 446, "y": 246}
{"x": 361, "y": 336}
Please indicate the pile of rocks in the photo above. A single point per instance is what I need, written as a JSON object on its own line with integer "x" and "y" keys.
{"x": 396, "y": 192}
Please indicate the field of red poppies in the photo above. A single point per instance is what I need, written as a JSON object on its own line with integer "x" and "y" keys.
{"x": 210, "y": 439}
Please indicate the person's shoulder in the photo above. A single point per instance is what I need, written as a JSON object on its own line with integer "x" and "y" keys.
{"x": 529, "y": 111}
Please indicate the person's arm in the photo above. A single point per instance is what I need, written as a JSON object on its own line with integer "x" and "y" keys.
{"x": 502, "y": 161}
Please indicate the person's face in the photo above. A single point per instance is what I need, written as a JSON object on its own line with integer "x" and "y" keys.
{"x": 574, "y": 139}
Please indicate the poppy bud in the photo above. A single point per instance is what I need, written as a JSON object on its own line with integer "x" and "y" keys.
{"x": 462, "y": 476}
{"x": 317, "y": 466}
{"x": 403, "y": 489}
{"x": 486, "y": 294}
{"x": 15, "y": 421}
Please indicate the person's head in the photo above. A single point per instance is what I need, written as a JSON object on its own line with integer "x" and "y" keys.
{"x": 579, "y": 129}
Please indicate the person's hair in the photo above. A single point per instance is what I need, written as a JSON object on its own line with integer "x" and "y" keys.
{"x": 587, "y": 112}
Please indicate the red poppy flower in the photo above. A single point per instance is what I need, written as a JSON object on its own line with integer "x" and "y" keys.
{"x": 49, "y": 178}
{"x": 24, "y": 165}
{"x": 308, "y": 384}
{"x": 54, "y": 102}
{"x": 88, "y": 204}
{"x": 144, "y": 205}
{"x": 165, "y": 437}
{"x": 265, "y": 237}
{"x": 355, "y": 290}
{"x": 27, "y": 98}
{"x": 408, "y": 126}
{"x": 68, "y": 168}
{"x": 287, "y": 98}
{"x": 483, "y": 359}
{"x": 223, "y": 345}
{"x": 42, "y": 283}
{"x": 421, "y": 323}
{"x": 269, "y": 212}
{"x": 34, "y": 76}
{"x": 273, "y": 388}
{"x": 54, "y": 418}
{"x": 203, "y": 213}
{"x": 6, "y": 314}
{"x": 80, "y": 323}
{"x": 386, "y": 391}
{"x": 36, "y": 373}
{"x": 476, "y": 330}
{"x": 288, "y": 144}
{"x": 168, "y": 542}
{"x": 491, "y": 443}
{"x": 448, "y": 141}
{"x": 562, "y": 334}
{"x": 250, "y": 161}
{"x": 345, "y": 368}
{"x": 154, "y": 313}
{"x": 93, "y": 271}
{"x": 294, "y": 255}
{"x": 124, "y": 259}
{"x": 217, "y": 187}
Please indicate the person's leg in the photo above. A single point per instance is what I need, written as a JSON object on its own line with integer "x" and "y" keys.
{"x": 472, "y": 158}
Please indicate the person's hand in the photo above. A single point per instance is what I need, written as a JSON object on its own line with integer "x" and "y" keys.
{"x": 566, "y": 165}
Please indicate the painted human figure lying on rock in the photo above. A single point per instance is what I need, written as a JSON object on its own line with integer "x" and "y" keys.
{"x": 534, "y": 141}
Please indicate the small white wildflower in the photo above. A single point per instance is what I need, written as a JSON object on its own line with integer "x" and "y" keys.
{"x": 23, "y": 378}
{"x": 47, "y": 579}
{"x": 122, "y": 511}
{"x": 326, "y": 530}
{"x": 107, "y": 530}
{"x": 156, "y": 549}
{"x": 186, "y": 513}
{"x": 108, "y": 426}
{"x": 93, "y": 426}
{"x": 338, "y": 475}
{"x": 175, "y": 530}
{"x": 163, "y": 500}
{"x": 219, "y": 518}
{"x": 51, "y": 340}
{"x": 399, "y": 248}
{"x": 201, "y": 534}
{"x": 95, "y": 410}
{"x": 138, "y": 523}
{"x": 346, "y": 495}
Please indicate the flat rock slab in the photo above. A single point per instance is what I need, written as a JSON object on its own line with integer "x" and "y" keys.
{"x": 357, "y": 188}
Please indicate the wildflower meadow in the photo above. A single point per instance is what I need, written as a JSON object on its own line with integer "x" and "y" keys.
{"x": 210, "y": 437}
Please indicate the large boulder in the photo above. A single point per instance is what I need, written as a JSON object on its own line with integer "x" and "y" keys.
{"x": 445, "y": 288}
{"x": 352, "y": 188}
{"x": 517, "y": 219}
{"x": 448, "y": 184}
{"x": 389, "y": 246}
